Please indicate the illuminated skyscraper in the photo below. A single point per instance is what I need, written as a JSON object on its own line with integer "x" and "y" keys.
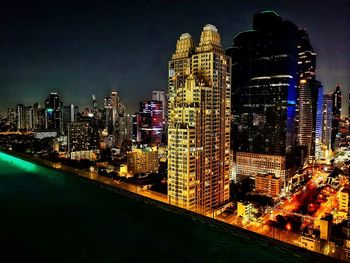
{"x": 53, "y": 113}
{"x": 264, "y": 87}
{"x": 25, "y": 117}
{"x": 199, "y": 122}
{"x": 317, "y": 116}
{"x": 116, "y": 121}
{"x": 94, "y": 103}
{"x": 310, "y": 100}
{"x": 11, "y": 116}
{"x": 29, "y": 118}
{"x": 160, "y": 95}
{"x": 20, "y": 117}
{"x": 327, "y": 124}
{"x": 150, "y": 122}
{"x": 336, "y": 113}
{"x": 70, "y": 113}
{"x": 35, "y": 115}
{"x": 108, "y": 113}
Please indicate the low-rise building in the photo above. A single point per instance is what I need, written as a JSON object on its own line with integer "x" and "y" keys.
{"x": 310, "y": 239}
{"x": 325, "y": 226}
{"x": 41, "y": 134}
{"x": 123, "y": 170}
{"x": 88, "y": 154}
{"x": 344, "y": 200}
{"x": 245, "y": 210}
{"x": 143, "y": 160}
{"x": 268, "y": 184}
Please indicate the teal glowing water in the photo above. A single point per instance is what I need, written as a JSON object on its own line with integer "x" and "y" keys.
{"x": 25, "y": 165}
{"x": 53, "y": 217}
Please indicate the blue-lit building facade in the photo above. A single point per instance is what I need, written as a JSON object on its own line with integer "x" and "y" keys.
{"x": 264, "y": 97}
{"x": 310, "y": 101}
{"x": 327, "y": 125}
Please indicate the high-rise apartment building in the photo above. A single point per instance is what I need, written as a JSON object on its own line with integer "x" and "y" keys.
{"x": 20, "y": 117}
{"x": 25, "y": 117}
{"x": 29, "y": 118}
{"x": 199, "y": 122}
{"x": 80, "y": 137}
{"x": 11, "y": 116}
{"x": 264, "y": 89}
{"x": 36, "y": 116}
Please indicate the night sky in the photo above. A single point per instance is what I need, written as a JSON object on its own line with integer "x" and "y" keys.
{"x": 84, "y": 48}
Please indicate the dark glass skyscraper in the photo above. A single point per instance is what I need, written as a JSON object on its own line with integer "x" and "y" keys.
{"x": 70, "y": 113}
{"x": 336, "y": 113}
{"x": 53, "y": 112}
{"x": 264, "y": 86}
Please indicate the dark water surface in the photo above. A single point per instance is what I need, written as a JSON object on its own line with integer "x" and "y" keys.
{"x": 49, "y": 216}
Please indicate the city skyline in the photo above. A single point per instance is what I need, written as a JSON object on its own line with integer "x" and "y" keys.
{"x": 243, "y": 135}
{"x": 90, "y": 49}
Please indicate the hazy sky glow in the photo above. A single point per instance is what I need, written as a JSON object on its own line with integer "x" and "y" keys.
{"x": 79, "y": 48}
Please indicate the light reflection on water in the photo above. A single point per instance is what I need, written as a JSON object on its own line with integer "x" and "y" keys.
{"x": 22, "y": 164}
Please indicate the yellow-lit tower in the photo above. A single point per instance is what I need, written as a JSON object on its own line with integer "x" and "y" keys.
{"x": 199, "y": 123}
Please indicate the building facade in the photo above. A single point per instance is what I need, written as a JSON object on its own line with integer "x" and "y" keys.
{"x": 20, "y": 117}
{"x": 327, "y": 125}
{"x": 337, "y": 99}
{"x": 199, "y": 122}
{"x": 160, "y": 95}
{"x": 264, "y": 94}
{"x": 116, "y": 120}
{"x": 53, "y": 113}
{"x": 150, "y": 122}
{"x": 309, "y": 100}
{"x": 70, "y": 114}
{"x": 143, "y": 160}
{"x": 268, "y": 184}
{"x": 80, "y": 138}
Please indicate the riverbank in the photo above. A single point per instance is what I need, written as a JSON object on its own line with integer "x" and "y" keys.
{"x": 160, "y": 201}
